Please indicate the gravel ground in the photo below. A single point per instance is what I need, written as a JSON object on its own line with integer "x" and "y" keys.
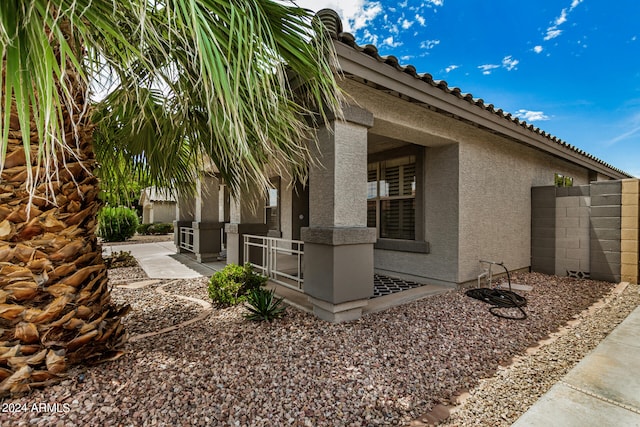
{"x": 125, "y": 275}
{"x": 388, "y": 368}
{"x": 152, "y": 310}
{"x": 502, "y": 399}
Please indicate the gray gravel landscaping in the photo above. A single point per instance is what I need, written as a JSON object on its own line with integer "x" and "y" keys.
{"x": 388, "y": 368}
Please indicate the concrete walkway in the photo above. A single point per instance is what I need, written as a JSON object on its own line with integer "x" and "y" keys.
{"x": 602, "y": 390}
{"x": 156, "y": 260}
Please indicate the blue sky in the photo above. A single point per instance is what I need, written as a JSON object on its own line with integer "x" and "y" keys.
{"x": 570, "y": 67}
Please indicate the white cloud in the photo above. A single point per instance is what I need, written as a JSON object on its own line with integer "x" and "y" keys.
{"x": 429, "y": 44}
{"x": 531, "y": 116}
{"x": 390, "y": 42}
{"x": 451, "y": 67}
{"x": 633, "y": 128}
{"x": 538, "y": 49}
{"x": 436, "y": 2}
{"x": 562, "y": 18}
{"x": 488, "y": 68}
{"x": 370, "y": 38}
{"x": 509, "y": 63}
{"x": 406, "y": 24}
{"x": 624, "y": 136}
{"x": 575, "y": 3}
{"x": 552, "y": 33}
{"x": 421, "y": 20}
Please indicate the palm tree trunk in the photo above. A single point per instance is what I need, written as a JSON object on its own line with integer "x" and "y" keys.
{"x": 55, "y": 307}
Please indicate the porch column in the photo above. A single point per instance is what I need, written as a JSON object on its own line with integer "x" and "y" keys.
{"x": 338, "y": 246}
{"x": 246, "y": 217}
{"x": 207, "y": 226}
{"x": 185, "y": 208}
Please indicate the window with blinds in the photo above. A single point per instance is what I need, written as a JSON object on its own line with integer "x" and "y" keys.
{"x": 391, "y": 194}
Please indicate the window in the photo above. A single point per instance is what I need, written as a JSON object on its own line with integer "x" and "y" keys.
{"x": 272, "y": 212}
{"x": 391, "y": 198}
{"x": 562, "y": 181}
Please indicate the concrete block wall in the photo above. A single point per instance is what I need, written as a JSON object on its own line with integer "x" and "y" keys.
{"x": 591, "y": 229}
{"x": 572, "y": 231}
{"x": 543, "y": 229}
{"x": 605, "y": 230}
{"x": 630, "y": 224}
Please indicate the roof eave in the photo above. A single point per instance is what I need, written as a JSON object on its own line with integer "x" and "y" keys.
{"x": 369, "y": 68}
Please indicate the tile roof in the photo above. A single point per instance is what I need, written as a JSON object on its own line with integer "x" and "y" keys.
{"x": 156, "y": 194}
{"x": 333, "y": 26}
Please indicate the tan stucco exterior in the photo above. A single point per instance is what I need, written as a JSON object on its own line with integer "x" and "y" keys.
{"x": 477, "y": 189}
{"x": 475, "y": 168}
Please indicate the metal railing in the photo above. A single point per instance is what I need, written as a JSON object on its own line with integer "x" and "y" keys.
{"x": 278, "y": 259}
{"x": 186, "y": 238}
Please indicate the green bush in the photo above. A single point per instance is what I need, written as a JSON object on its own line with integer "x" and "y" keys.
{"x": 231, "y": 285}
{"x": 116, "y": 224}
{"x": 159, "y": 228}
{"x": 263, "y": 306}
{"x": 143, "y": 228}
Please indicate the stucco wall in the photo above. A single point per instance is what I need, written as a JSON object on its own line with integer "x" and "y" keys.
{"x": 162, "y": 212}
{"x": 496, "y": 177}
{"x": 441, "y": 224}
{"x": 477, "y": 190}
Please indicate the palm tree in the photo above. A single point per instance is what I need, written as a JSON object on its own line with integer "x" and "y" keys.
{"x": 237, "y": 83}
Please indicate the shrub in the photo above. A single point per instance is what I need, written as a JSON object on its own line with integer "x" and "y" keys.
{"x": 231, "y": 285}
{"x": 159, "y": 228}
{"x": 116, "y": 224}
{"x": 263, "y": 306}
{"x": 143, "y": 228}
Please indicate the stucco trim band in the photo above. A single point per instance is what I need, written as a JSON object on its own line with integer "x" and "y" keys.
{"x": 338, "y": 236}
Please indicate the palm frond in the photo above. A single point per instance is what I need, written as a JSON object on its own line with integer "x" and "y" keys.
{"x": 193, "y": 80}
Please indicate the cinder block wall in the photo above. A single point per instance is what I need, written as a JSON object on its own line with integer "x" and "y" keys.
{"x": 606, "y": 199}
{"x": 543, "y": 229}
{"x": 572, "y": 231}
{"x": 630, "y": 224}
{"x": 587, "y": 229}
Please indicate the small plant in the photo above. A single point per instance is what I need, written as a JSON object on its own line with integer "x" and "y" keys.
{"x": 161, "y": 228}
{"x": 263, "y": 305}
{"x": 157, "y": 228}
{"x": 120, "y": 259}
{"x": 143, "y": 228}
{"x": 231, "y": 285}
{"x": 117, "y": 224}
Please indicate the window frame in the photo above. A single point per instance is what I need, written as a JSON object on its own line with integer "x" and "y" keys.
{"x": 418, "y": 244}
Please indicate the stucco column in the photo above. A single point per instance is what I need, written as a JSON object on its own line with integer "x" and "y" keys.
{"x": 338, "y": 249}
{"x": 207, "y": 226}
{"x": 185, "y": 208}
{"x": 246, "y": 217}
